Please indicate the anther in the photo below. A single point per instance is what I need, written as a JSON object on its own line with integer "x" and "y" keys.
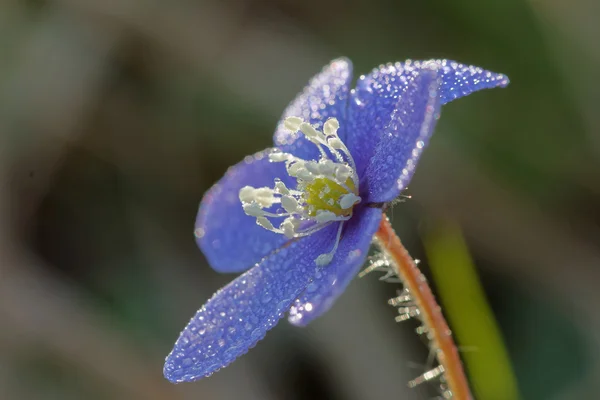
{"x": 305, "y": 175}
{"x": 343, "y": 172}
{"x": 278, "y": 156}
{"x": 264, "y": 197}
{"x": 292, "y": 123}
{"x": 289, "y": 204}
{"x": 348, "y": 200}
{"x": 288, "y": 228}
{"x": 325, "y": 216}
{"x": 326, "y": 258}
{"x": 327, "y": 167}
{"x": 313, "y": 167}
{"x": 253, "y": 209}
{"x": 331, "y": 126}
{"x": 336, "y": 143}
{"x": 246, "y": 194}
{"x": 281, "y": 188}
{"x": 265, "y": 223}
{"x": 310, "y": 132}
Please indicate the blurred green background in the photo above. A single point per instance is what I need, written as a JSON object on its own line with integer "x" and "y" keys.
{"x": 116, "y": 116}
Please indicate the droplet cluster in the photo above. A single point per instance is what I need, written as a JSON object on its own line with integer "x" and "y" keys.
{"x": 329, "y": 283}
{"x": 240, "y": 314}
{"x": 377, "y": 94}
{"x": 411, "y": 125}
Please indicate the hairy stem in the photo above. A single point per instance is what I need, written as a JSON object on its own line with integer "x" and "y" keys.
{"x": 430, "y": 312}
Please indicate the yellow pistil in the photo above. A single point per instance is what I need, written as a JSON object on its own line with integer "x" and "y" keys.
{"x": 325, "y": 194}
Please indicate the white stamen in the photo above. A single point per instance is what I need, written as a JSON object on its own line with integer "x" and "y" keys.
{"x": 305, "y": 175}
{"x": 253, "y": 210}
{"x": 313, "y": 167}
{"x": 281, "y": 188}
{"x": 288, "y": 228}
{"x": 265, "y": 223}
{"x": 278, "y": 156}
{"x": 292, "y": 124}
{"x": 327, "y": 167}
{"x": 265, "y": 197}
{"x": 348, "y": 200}
{"x": 323, "y": 194}
{"x": 246, "y": 194}
{"x": 325, "y": 216}
{"x": 310, "y": 132}
{"x": 326, "y": 258}
{"x": 290, "y": 204}
{"x": 294, "y": 167}
{"x": 331, "y": 126}
{"x": 342, "y": 173}
{"x": 336, "y": 143}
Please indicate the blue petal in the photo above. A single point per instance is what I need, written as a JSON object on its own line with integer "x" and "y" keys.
{"x": 240, "y": 314}
{"x": 230, "y": 239}
{"x": 376, "y": 95}
{"x": 325, "y": 96}
{"x": 404, "y": 139}
{"x": 332, "y": 280}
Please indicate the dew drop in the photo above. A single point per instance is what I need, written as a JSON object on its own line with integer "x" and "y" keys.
{"x": 266, "y": 298}
{"x": 199, "y": 233}
{"x": 231, "y": 353}
{"x": 256, "y": 334}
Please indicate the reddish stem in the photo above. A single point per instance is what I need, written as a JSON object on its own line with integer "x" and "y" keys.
{"x": 430, "y": 311}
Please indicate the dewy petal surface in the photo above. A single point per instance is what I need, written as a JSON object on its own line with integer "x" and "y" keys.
{"x": 404, "y": 139}
{"x": 325, "y": 96}
{"x": 230, "y": 239}
{"x": 376, "y": 95}
{"x": 331, "y": 281}
{"x": 240, "y": 314}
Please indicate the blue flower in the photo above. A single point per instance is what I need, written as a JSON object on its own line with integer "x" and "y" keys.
{"x": 304, "y": 212}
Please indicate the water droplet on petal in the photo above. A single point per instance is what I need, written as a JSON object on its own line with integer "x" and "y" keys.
{"x": 266, "y": 298}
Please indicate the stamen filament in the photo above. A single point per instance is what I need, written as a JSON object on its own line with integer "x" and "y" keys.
{"x": 326, "y": 258}
{"x": 274, "y": 215}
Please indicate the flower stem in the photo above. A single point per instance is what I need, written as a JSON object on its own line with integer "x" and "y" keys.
{"x": 430, "y": 312}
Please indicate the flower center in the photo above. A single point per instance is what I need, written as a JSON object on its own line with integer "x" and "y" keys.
{"x": 326, "y": 190}
{"x": 326, "y": 194}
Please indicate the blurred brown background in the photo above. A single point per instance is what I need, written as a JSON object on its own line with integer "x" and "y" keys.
{"x": 116, "y": 116}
